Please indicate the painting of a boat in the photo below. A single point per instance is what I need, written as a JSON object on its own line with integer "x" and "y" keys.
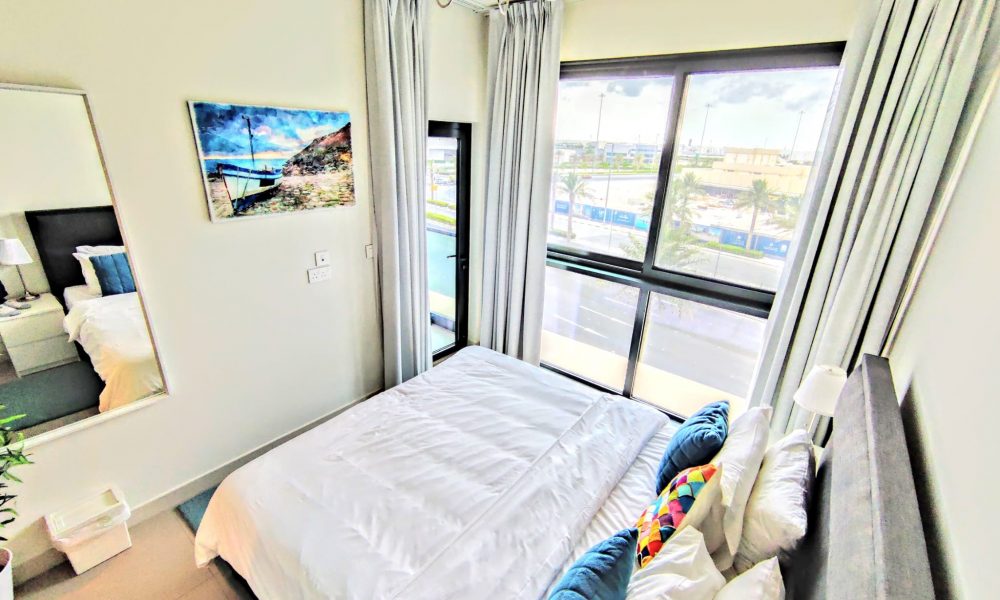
{"x": 261, "y": 160}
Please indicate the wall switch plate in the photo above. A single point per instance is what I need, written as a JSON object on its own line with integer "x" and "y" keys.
{"x": 322, "y": 258}
{"x": 369, "y": 251}
{"x": 317, "y": 274}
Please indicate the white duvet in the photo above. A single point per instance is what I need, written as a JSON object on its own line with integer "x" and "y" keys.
{"x": 472, "y": 480}
{"x": 113, "y": 332}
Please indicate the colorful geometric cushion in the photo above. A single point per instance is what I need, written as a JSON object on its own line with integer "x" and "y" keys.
{"x": 695, "y": 442}
{"x": 662, "y": 518}
{"x": 602, "y": 573}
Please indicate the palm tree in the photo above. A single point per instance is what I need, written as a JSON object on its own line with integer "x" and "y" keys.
{"x": 789, "y": 214}
{"x": 683, "y": 189}
{"x": 758, "y": 198}
{"x": 575, "y": 186}
{"x": 677, "y": 244}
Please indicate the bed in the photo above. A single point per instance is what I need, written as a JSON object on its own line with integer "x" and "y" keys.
{"x": 113, "y": 333}
{"x": 486, "y": 478}
{"x": 110, "y": 330}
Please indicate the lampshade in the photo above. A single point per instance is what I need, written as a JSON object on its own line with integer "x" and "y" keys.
{"x": 821, "y": 388}
{"x": 12, "y": 252}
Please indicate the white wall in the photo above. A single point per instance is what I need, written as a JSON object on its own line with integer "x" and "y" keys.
{"x": 944, "y": 362}
{"x": 48, "y": 159}
{"x": 613, "y": 28}
{"x": 249, "y": 349}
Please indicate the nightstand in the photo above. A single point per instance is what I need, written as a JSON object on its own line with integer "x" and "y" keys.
{"x": 35, "y": 339}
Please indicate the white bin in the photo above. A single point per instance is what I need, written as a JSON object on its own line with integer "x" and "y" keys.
{"x": 91, "y": 531}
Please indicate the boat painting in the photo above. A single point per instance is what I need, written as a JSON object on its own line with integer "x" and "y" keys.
{"x": 259, "y": 160}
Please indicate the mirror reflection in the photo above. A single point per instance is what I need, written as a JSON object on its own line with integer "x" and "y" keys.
{"x": 74, "y": 340}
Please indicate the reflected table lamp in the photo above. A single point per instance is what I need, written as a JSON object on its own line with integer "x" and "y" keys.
{"x": 13, "y": 254}
{"x": 820, "y": 390}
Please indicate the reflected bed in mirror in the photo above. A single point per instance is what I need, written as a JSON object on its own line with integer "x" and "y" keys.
{"x": 74, "y": 339}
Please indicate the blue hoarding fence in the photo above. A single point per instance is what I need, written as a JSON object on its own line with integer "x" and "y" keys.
{"x": 631, "y": 220}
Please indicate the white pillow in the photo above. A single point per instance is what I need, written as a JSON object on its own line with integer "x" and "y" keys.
{"x": 762, "y": 582}
{"x": 778, "y": 512}
{"x": 681, "y": 570}
{"x": 739, "y": 459}
{"x": 82, "y": 255}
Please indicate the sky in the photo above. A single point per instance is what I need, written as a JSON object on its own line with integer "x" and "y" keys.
{"x": 751, "y": 108}
{"x": 278, "y": 132}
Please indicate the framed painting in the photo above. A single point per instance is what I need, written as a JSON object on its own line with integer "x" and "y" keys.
{"x": 261, "y": 160}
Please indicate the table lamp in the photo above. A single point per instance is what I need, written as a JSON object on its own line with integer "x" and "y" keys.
{"x": 820, "y": 390}
{"x": 13, "y": 254}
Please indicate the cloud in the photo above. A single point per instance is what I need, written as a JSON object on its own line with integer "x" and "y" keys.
{"x": 791, "y": 90}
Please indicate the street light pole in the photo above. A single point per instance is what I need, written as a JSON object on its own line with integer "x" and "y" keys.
{"x": 607, "y": 196}
{"x": 704, "y": 126}
{"x": 597, "y": 138}
{"x": 795, "y": 138}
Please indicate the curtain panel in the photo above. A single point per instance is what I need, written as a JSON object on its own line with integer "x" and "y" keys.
{"x": 523, "y": 81}
{"x": 906, "y": 74}
{"x": 396, "y": 70}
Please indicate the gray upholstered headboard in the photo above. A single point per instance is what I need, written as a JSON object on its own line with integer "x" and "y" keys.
{"x": 865, "y": 536}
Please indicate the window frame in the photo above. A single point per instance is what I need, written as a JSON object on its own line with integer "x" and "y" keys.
{"x": 645, "y": 275}
{"x": 462, "y": 132}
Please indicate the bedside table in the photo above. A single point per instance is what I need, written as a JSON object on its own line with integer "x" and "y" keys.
{"x": 35, "y": 339}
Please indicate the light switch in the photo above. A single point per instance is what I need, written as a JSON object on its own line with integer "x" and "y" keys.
{"x": 322, "y": 258}
{"x": 369, "y": 251}
{"x": 317, "y": 274}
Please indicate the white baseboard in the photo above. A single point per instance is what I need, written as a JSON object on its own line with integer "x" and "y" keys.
{"x": 33, "y": 566}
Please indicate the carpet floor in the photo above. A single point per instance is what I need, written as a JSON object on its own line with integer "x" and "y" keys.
{"x": 51, "y": 394}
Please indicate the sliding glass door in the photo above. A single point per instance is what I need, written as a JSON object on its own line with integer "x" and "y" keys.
{"x": 448, "y": 172}
{"x": 676, "y": 190}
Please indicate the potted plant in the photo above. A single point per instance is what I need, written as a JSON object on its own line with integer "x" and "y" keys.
{"x": 11, "y": 455}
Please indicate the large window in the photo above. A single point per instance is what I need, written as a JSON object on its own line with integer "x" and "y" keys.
{"x": 676, "y": 189}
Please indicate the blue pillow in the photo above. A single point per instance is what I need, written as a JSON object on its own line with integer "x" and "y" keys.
{"x": 603, "y": 572}
{"x": 695, "y": 443}
{"x": 113, "y": 273}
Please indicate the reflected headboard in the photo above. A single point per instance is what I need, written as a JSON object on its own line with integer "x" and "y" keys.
{"x": 58, "y": 232}
{"x": 865, "y": 537}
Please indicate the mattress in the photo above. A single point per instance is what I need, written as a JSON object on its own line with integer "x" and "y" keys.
{"x": 475, "y": 479}
{"x": 76, "y": 294}
{"x": 112, "y": 330}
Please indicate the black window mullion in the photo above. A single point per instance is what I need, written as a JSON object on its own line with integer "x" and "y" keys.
{"x": 666, "y": 158}
{"x": 637, "y": 330}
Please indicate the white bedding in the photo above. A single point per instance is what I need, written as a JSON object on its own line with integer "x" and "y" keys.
{"x": 113, "y": 332}
{"x": 76, "y": 294}
{"x": 626, "y": 502}
{"x": 472, "y": 480}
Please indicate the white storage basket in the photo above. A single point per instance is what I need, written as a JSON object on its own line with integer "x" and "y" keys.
{"x": 91, "y": 531}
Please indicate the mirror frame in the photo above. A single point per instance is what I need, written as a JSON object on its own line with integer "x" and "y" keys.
{"x": 91, "y": 421}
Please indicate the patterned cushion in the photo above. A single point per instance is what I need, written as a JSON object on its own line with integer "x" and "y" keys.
{"x": 662, "y": 518}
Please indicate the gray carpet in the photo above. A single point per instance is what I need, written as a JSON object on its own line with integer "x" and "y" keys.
{"x": 51, "y": 394}
{"x": 193, "y": 511}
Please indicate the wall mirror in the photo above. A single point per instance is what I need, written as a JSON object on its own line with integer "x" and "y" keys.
{"x": 74, "y": 338}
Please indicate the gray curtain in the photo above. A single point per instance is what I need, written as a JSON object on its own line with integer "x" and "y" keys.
{"x": 523, "y": 81}
{"x": 396, "y": 67}
{"x": 906, "y": 74}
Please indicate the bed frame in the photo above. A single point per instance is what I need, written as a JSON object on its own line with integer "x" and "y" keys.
{"x": 865, "y": 536}
{"x": 58, "y": 232}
